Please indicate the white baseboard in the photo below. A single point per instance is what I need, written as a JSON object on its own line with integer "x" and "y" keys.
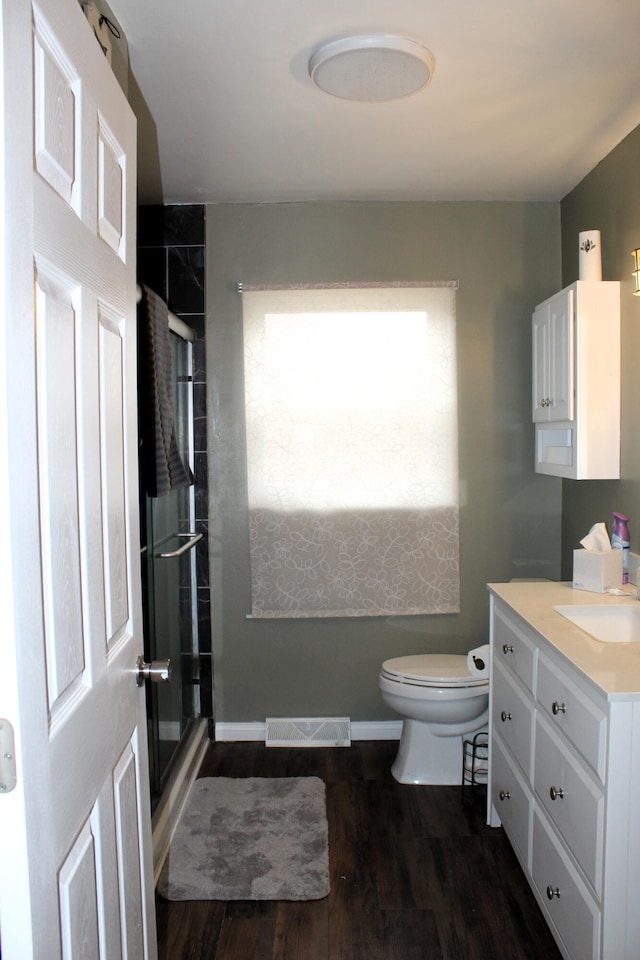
{"x": 360, "y": 730}
{"x": 376, "y": 730}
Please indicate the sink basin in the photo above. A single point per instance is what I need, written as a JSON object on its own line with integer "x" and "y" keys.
{"x": 607, "y": 623}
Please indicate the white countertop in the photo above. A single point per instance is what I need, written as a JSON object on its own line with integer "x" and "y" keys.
{"x": 613, "y": 667}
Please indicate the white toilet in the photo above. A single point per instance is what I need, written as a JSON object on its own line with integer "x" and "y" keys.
{"x": 442, "y": 703}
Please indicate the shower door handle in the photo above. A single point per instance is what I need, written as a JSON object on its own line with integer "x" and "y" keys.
{"x": 191, "y": 540}
{"x": 158, "y": 671}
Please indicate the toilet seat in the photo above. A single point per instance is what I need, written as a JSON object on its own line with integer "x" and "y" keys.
{"x": 432, "y": 670}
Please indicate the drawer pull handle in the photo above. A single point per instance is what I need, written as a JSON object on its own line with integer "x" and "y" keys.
{"x": 557, "y": 708}
{"x": 507, "y": 648}
{"x": 504, "y": 716}
{"x": 551, "y": 893}
{"x": 556, "y": 793}
{"x": 505, "y": 795}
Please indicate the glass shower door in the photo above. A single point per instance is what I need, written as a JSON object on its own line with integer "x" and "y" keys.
{"x": 169, "y": 577}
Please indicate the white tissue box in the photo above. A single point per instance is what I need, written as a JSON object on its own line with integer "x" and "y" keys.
{"x": 597, "y": 570}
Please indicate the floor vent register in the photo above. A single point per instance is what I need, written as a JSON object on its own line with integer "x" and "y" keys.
{"x": 308, "y": 732}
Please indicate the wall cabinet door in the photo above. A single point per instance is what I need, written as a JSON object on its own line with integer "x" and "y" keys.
{"x": 553, "y": 366}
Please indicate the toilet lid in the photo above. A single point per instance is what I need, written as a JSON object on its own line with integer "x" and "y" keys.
{"x": 433, "y": 669}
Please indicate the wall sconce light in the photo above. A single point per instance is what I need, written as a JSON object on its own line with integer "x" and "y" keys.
{"x": 636, "y": 271}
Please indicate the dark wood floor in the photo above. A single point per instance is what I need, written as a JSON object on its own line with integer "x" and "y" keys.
{"x": 415, "y": 874}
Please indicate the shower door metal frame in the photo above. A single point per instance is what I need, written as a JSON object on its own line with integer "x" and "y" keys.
{"x": 154, "y": 553}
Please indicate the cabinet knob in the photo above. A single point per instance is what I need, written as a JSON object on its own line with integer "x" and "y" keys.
{"x": 504, "y": 716}
{"x": 551, "y": 892}
{"x": 505, "y": 795}
{"x": 556, "y": 793}
{"x": 507, "y": 648}
{"x": 557, "y": 708}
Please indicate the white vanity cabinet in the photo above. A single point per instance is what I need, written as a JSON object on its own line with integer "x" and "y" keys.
{"x": 564, "y": 781}
{"x": 576, "y": 382}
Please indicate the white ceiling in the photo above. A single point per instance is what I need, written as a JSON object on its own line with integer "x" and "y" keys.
{"x": 527, "y": 97}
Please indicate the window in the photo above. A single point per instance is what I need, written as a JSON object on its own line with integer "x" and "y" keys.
{"x": 352, "y": 450}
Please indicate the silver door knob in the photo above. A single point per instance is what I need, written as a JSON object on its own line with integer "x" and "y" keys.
{"x": 556, "y": 793}
{"x": 557, "y": 708}
{"x": 158, "y": 671}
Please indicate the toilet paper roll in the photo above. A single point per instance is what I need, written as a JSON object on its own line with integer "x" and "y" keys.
{"x": 590, "y": 255}
{"x": 478, "y": 661}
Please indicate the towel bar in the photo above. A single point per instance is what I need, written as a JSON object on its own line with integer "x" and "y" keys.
{"x": 175, "y": 323}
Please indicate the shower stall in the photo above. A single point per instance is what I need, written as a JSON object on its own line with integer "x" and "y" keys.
{"x": 177, "y": 736}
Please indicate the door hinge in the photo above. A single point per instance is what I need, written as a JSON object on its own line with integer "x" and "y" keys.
{"x": 8, "y": 777}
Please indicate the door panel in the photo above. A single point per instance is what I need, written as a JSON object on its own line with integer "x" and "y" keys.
{"x": 54, "y": 111}
{"x": 112, "y": 459}
{"x": 76, "y": 871}
{"x": 55, "y": 326}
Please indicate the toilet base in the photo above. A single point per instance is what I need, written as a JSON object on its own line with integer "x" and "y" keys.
{"x": 424, "y": 758}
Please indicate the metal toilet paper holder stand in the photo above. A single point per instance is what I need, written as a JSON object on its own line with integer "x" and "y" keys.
{"x": 475, "y": 762}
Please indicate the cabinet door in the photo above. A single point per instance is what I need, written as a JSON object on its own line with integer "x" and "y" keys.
{"x": 561, "y": 362}
{"x": 573, "y": 914}
{"x": 553, "y": 361}
{"x": 573, "y": 799}
{"x": 575, "y": 712}
{"x": 513, "y": 648}
{"x": 513, "y": 802}
{"x": 512, "y": 716}
{"x": 540, "y": 373}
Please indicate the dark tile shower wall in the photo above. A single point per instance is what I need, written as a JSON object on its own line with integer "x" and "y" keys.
{"x": 171, "y": 260}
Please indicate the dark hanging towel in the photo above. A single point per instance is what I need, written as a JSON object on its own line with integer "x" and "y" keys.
{"x": 161, "y": 466}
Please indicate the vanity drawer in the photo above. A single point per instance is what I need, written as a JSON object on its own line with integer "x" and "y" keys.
{"x": 512, "y": 717}
{"x": 569, "y": 906}
{"x": 512, "y": 648}
{"x": 578, "y": 807}
{"x": 572, "y": 712}
{"x": 512, "y": 801}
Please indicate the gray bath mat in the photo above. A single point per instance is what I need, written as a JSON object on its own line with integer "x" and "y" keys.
{"x": 250, "y": 839}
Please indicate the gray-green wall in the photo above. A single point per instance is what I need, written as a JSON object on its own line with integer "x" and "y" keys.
{"x": 608, "y": 199}
{"x": 506, "y": 257}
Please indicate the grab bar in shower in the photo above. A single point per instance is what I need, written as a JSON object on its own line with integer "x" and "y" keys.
{"x": 191, "y": 540}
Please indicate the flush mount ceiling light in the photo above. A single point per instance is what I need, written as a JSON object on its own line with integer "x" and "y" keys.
{"x": 371, "y": 68}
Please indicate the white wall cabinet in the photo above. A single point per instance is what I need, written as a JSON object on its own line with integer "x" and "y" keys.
{"x": 576, "y": 382}
{"x": 563, "y": 781}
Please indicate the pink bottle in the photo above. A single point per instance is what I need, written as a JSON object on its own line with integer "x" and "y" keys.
{"x": 620, "y": 541}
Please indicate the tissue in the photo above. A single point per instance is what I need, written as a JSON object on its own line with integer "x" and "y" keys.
{"x": 478, "y": 661}
{"x": 597, "y": 567}
{"x": 597, "y": 538}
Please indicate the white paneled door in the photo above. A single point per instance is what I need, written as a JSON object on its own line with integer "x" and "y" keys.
{"x": 75, "y": 834}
